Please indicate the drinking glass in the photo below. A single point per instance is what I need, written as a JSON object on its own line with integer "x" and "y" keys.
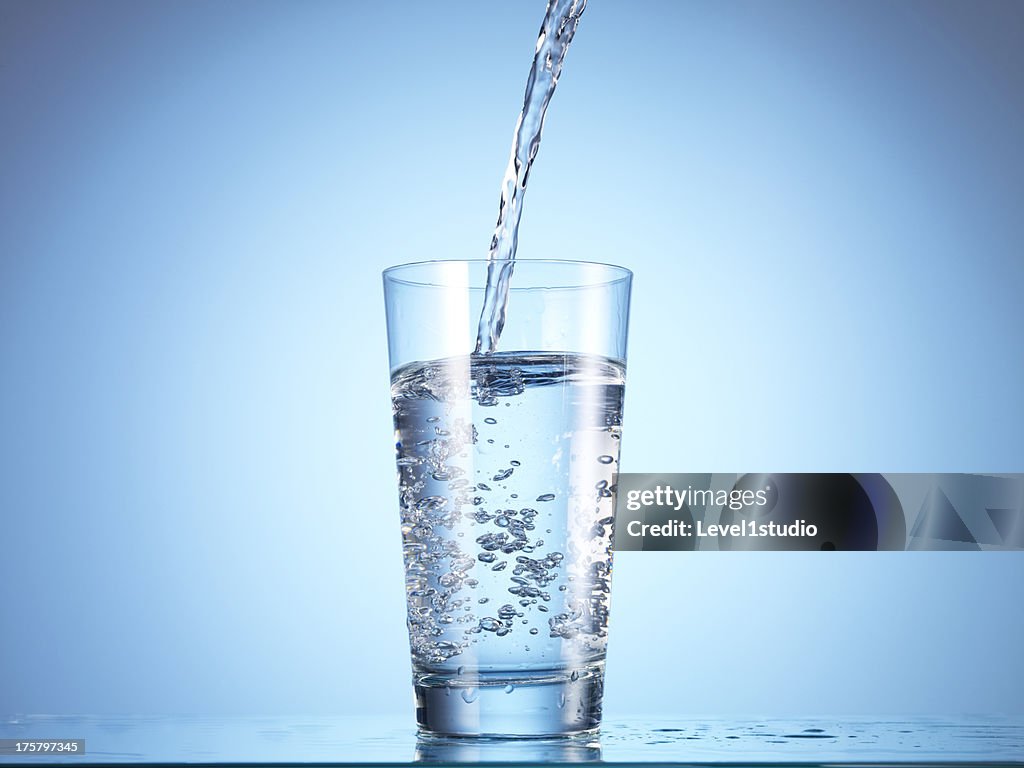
{"x": 506, "y": 468}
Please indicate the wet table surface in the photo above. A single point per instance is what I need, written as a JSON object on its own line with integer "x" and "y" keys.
{"x": 393, "y": 741}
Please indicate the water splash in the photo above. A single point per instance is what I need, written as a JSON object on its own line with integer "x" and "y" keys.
{"x": 560, "y": 22}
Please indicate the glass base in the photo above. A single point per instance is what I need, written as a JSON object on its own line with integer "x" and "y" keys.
{"x": 444, "y": 750}
{"x": 521, "y": 705}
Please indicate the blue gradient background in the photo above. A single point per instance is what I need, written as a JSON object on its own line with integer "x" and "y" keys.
{"x": 822, "y": 203}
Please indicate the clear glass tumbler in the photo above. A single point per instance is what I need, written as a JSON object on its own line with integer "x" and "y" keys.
{"x": 506, "y": 465}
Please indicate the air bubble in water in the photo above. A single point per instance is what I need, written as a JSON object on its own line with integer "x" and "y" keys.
{"x": 509, "y": 688}
{"x": 449, "y": 527}
{"x": 469, "y": 694}
{"x": 606, "y": 459}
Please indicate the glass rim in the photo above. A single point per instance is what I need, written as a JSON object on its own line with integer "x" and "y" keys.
{"x": 617, "y": 274}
